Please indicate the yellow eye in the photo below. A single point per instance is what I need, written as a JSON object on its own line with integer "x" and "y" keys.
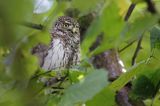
{"x": 65, "y": 25}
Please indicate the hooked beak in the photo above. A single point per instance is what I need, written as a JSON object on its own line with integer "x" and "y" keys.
{"x": 75, "y": 30}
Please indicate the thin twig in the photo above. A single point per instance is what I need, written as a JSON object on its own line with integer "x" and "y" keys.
{"x": 64, "y": 78}
{"x": 129, "y": 12}
{"x": 33, "y": 25}
{"x": 128, "y": 45}
{"x": 137, "y": 50}
{"x": 38, "y": 75}
{"x": 57, "y": 87}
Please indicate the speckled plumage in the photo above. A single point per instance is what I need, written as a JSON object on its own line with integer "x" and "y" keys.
{"x": 64, "y": 49}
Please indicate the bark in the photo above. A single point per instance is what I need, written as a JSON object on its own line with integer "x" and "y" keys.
{"x": 110, "y": 61}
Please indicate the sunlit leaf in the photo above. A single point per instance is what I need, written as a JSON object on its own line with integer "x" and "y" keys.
{"x": 123, "y": 5}
{"x": 137, "y": 1}
{"x": 112, "y": 26}
{"x": 76, "y": 76}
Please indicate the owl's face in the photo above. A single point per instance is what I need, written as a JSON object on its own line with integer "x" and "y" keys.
{"x": 67, "y": 25}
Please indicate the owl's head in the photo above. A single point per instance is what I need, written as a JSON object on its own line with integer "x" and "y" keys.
{"x": 67, "y": 24}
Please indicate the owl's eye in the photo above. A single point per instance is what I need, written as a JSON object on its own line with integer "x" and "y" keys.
{"x": 66, "y": 25}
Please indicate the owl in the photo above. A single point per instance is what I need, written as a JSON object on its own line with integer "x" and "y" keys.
{"x": 64, "y": 49}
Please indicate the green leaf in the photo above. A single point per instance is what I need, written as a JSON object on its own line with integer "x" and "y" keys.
{"x": 53, "y": 100}
{"x": 143, "y": 88}
{"x": 155, "y": 37}
{"x": 85, "y": 6}
{"x": 137, "y": 1}
{"x": 90, "y": 36}
{"x": 12, "y": 98}
{"x": 39, "y": 37}
{"x": 85, "y": 89}
{"x": 156, "y": 100}
{"x": 105, "y": 98}
{"x": 58, "y": 9}
{"x": 140, "y": 25}
{"x": 153, "y": 75}
{"x": 75, "y": 76}
{"x": 13, "y": 12}
{"x": 111, "y": 24}
{"x": 23, "y": 65}
{"x": 126, "y": 77}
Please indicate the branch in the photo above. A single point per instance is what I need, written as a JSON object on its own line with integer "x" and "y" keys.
{"x": 129, "y": 12}
{"x": 32, "y": 25}
{"x": 137, "y": 50}
{"x": 151, "y": 7}
{"x": 127, "y": 46}
{"x": 55, "y": 80}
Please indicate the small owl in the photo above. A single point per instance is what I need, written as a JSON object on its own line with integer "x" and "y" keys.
{"x": 64, "y": 49}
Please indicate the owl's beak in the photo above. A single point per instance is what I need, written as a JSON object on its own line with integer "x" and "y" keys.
{"x": 75, "y": 30}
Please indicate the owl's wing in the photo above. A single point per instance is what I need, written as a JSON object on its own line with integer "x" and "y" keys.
{"x": 40, "y": 51}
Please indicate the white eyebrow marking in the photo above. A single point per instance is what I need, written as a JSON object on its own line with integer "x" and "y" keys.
{"x": 67, "y": 22}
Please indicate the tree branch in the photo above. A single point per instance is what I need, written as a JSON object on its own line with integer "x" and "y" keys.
{"x": 151, "y": 7}
{"x": 129, "y": 44}
{"x": 32, "y": 25}
{"x": 129, "y": 12}
{"x": 137, "y": 50}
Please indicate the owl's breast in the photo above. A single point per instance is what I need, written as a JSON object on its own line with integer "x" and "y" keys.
{"x": 57, "y": 57}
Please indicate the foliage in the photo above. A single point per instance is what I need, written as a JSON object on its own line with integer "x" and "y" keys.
{"x": 155, "y": 37}
{"x": 20, "y": 73}
{"x": 146, "y": 85}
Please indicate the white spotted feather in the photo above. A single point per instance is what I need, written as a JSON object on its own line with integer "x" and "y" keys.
{"x": 55, "y": 56}
{"x": 64, "y": 49}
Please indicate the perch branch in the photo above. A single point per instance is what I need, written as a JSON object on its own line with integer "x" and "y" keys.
{"x": 137, "y": 50}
